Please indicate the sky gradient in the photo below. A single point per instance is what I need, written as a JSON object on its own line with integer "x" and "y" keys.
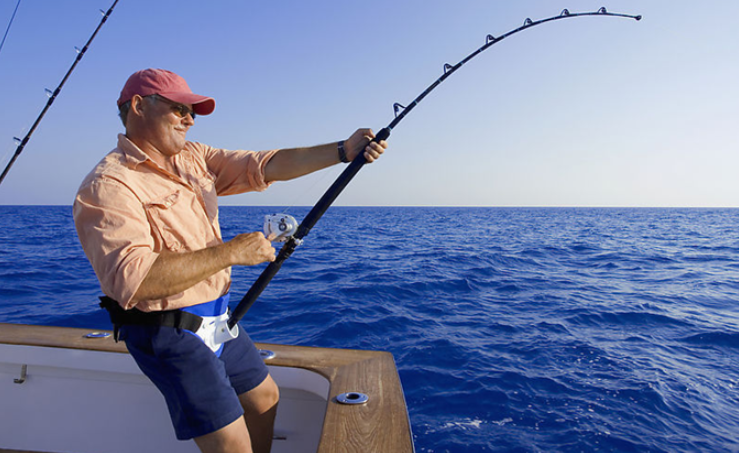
{"x": 579, "y": 112}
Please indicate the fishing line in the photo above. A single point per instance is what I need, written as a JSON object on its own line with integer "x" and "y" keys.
{"x": 55, "y": 93}
{"x": 9, "y": 24}
{"x": 353, "y": 168}
{"x": 319, "y": 178}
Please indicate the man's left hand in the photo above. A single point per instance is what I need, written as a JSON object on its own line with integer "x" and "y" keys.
{"x": 361, "y": 140}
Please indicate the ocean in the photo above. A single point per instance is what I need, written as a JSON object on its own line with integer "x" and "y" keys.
{"x": 513, "y": 329}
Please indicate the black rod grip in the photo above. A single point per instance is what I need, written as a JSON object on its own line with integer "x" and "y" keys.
{"x": 261, "y": 283}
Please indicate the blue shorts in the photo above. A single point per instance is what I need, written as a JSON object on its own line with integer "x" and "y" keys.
{"x": 200, "y": 388}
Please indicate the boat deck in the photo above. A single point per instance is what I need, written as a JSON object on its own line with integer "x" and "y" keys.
{"x": 379, "y": 425}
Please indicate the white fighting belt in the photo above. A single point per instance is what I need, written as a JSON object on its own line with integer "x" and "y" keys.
{"x": 214, "y": 331}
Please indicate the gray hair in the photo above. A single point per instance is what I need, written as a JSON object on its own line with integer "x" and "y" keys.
{"x": 123, "y": 111}
{"x": 126, "y": 106}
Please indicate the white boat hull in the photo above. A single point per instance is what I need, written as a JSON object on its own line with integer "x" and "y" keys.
{"x": 96, "y": 400}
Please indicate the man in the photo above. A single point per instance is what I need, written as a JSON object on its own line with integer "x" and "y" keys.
{"x": 147, "y": 218}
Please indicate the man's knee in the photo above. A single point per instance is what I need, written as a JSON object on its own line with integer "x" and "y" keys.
{"x": 233, "y": 437}
{"x": 269, "y": 393}
{"x": 262, "y": 398}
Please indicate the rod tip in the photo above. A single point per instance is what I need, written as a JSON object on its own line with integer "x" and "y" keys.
{"x": 638, "y": 17}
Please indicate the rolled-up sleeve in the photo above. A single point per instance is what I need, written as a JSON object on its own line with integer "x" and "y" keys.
{"x": 237, "y": 171}
{"x": 116, "y": 236}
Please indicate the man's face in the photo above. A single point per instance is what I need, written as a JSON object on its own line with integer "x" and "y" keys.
{"x": 167, "y": 124}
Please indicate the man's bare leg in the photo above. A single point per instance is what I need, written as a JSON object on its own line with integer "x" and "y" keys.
{"x": 233, "y": 438}
{"x": 260, "y": 409}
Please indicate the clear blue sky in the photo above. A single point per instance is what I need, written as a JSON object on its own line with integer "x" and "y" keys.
{"x": 579, "y": 112}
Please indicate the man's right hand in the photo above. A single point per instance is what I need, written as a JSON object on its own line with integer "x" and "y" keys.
{"x": 249, "y": 249}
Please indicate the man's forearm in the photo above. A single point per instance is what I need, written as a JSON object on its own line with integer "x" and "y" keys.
{"x": 295, "y": 162}
{"x": 292, "y": 163}
{"x": 173, "y": 273}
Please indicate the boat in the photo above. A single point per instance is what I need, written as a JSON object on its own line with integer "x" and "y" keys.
{"x": 71, "y": 390}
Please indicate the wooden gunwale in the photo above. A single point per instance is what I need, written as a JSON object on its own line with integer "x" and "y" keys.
{"x": 380, "y": 425}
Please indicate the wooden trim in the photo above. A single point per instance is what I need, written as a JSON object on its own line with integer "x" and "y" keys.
{"x": 18, "y": 451}
{"x": 379, "y": 426}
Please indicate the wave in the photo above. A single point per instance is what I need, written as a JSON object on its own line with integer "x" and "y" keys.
{"x": 714, "y": 339}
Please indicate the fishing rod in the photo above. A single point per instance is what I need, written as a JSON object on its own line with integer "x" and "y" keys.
{"x": 55, "y": 93}
{"x": 10, "y": 24}
{"x": 346, "y": 176}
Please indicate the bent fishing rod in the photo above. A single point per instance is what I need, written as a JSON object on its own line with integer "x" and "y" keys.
{"x": 302, "y": 230}
{"x": 52, "y": 95}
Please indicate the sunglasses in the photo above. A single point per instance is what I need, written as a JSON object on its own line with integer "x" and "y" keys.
{"x": 179, "y": 109}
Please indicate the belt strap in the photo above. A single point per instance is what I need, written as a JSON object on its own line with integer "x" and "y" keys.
{"x": 171, "y": 318}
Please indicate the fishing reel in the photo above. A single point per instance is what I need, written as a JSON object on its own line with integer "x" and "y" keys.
{"x": 283, "y": 226}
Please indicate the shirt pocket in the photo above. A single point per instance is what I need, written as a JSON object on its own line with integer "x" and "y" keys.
{"x": 166, "y": 222}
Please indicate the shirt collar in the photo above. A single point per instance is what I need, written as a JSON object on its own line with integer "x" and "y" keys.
{"x": 134, "y": 155}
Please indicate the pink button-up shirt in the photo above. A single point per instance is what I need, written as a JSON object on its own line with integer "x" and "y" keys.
{"x": 129, "y": 209}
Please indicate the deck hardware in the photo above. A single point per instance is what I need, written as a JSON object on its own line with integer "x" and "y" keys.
{"x": 97, "y": 335}
{"x": 352, "y": 398}
{"x": 266, "y": 354}
{"x": 24, "y": 375}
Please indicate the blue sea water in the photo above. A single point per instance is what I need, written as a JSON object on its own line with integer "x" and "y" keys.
{"x": 514, "y": 329}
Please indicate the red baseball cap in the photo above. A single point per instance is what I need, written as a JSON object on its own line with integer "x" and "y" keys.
{"x": 166, "y": 84}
